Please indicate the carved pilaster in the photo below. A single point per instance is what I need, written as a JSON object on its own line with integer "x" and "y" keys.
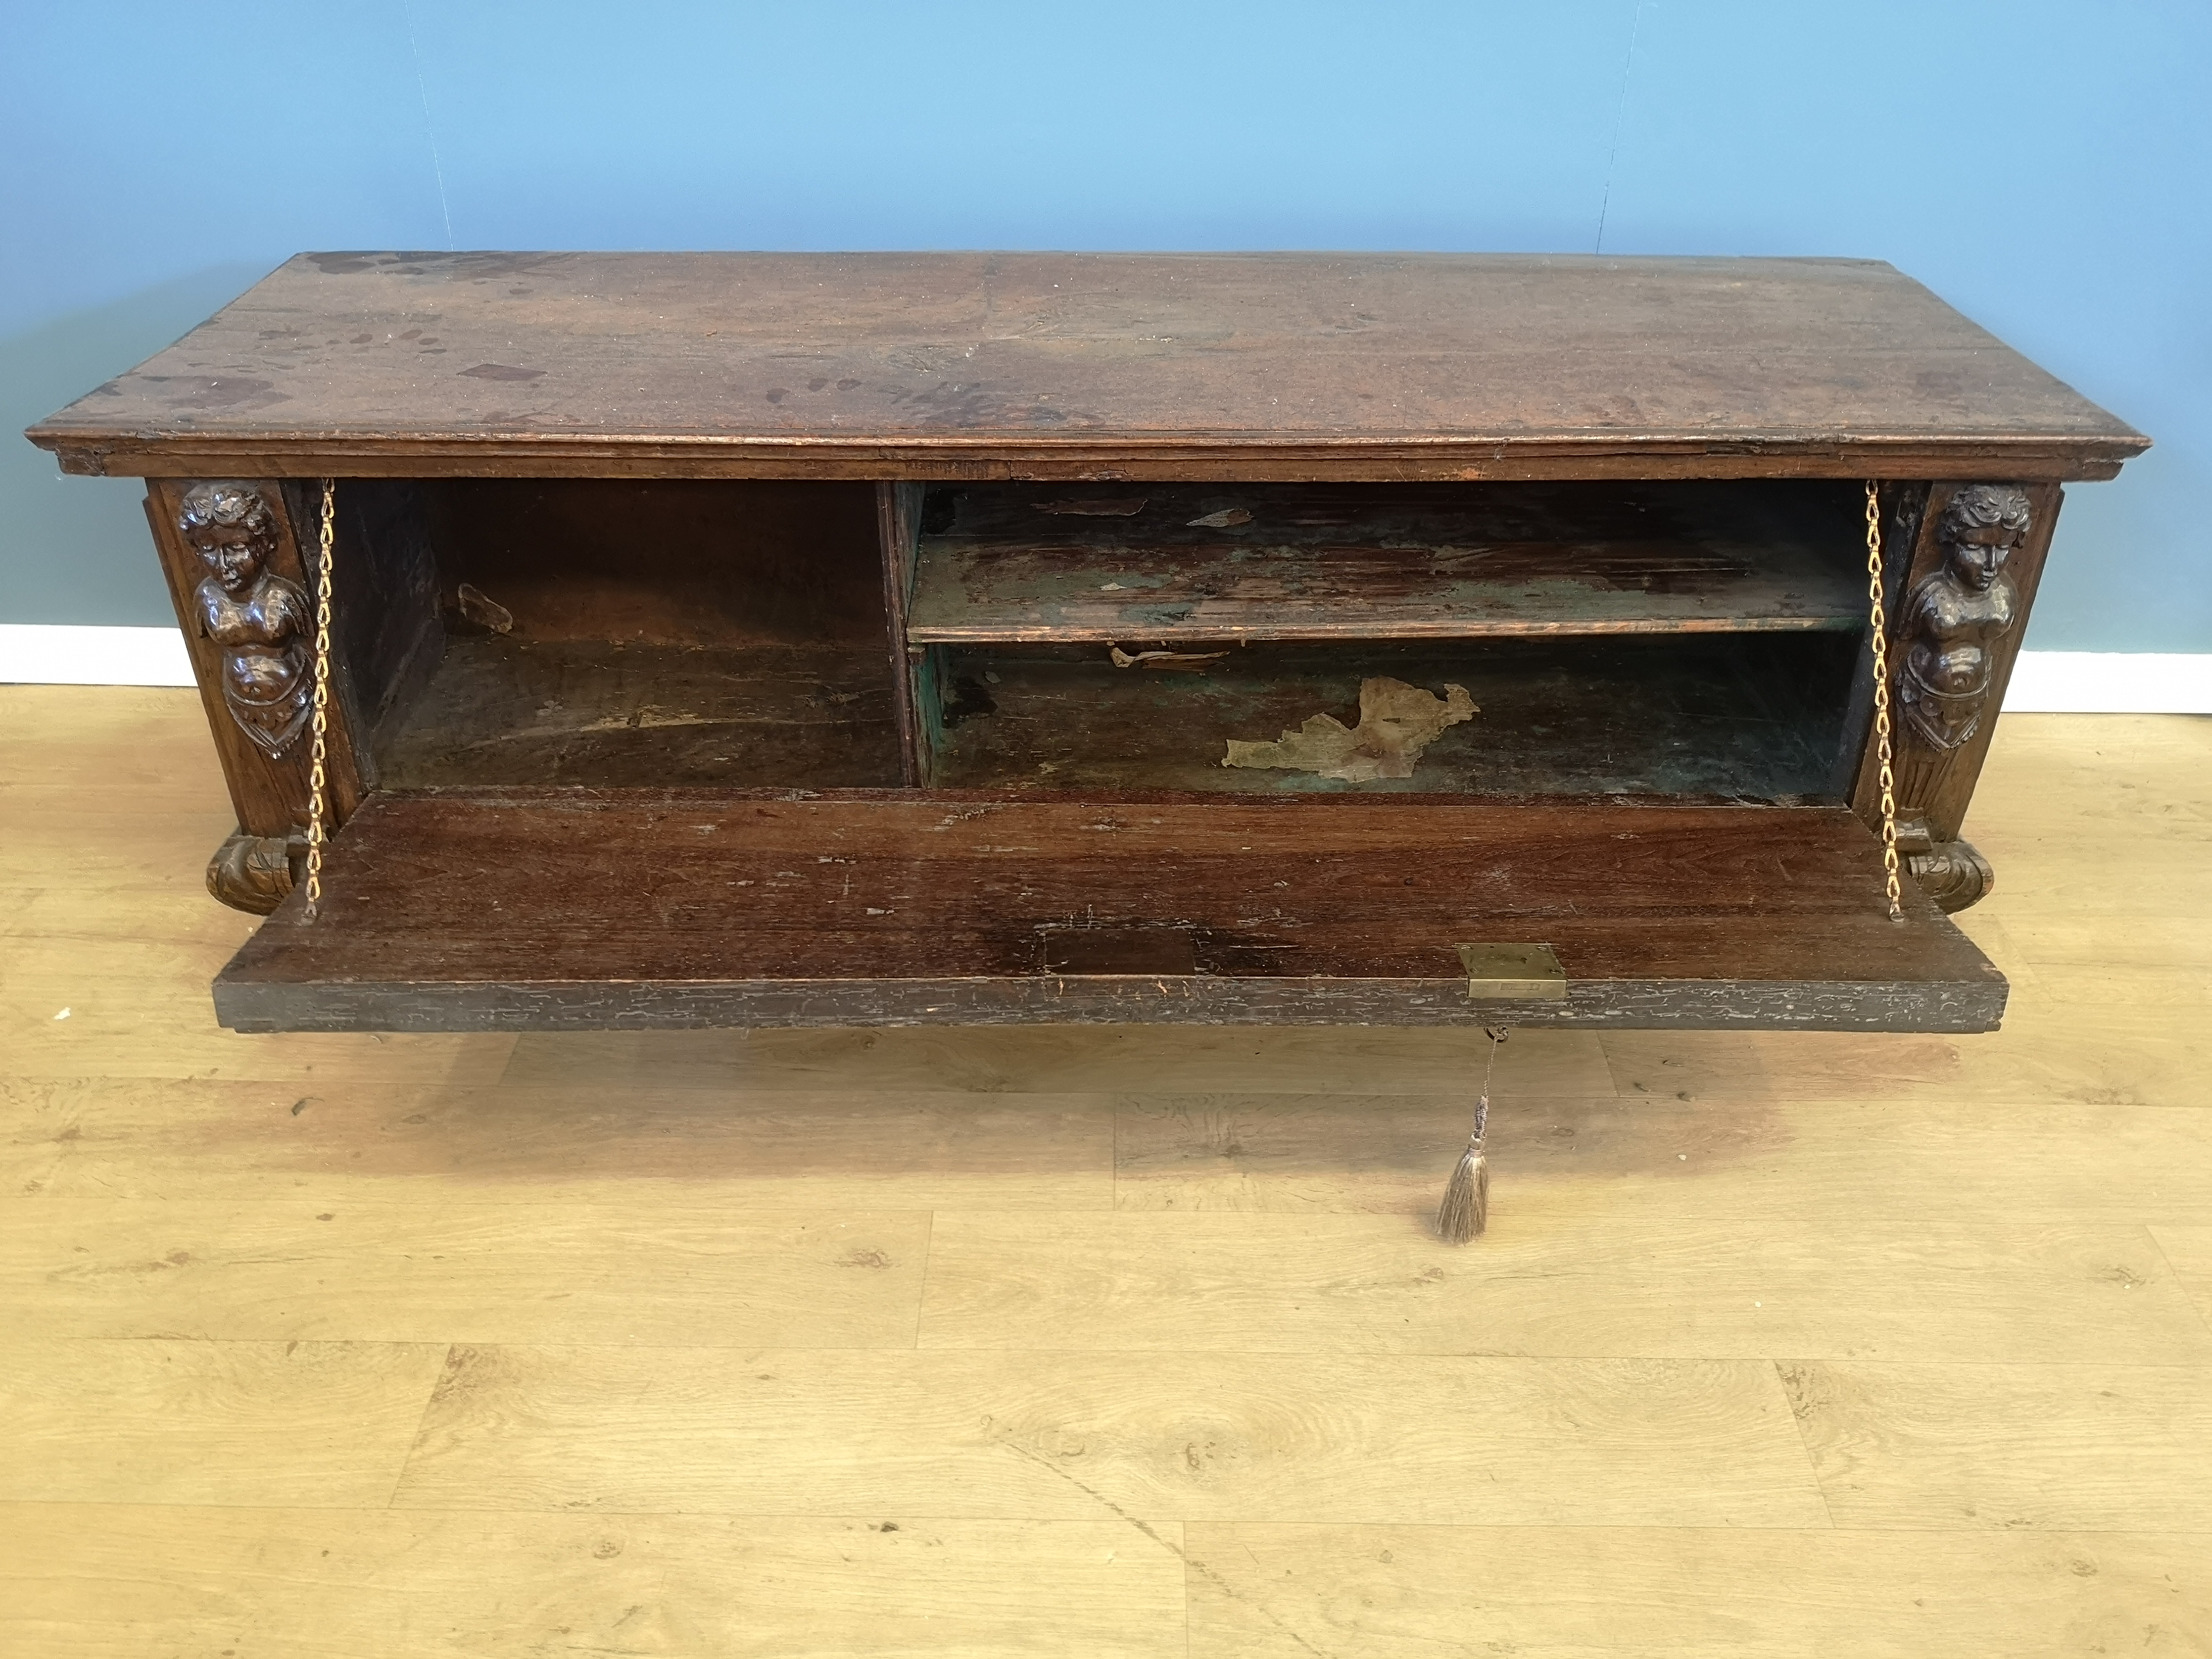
{"x": 232, "y": 557}
{"x": 262, "y": 624}
{"x": 1955, "y": 627}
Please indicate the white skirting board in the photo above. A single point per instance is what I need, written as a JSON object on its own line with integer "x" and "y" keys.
{"x": 2044, "y": 682}
{"x": 38, "y": 655}
{"x": 2110, "y": 682}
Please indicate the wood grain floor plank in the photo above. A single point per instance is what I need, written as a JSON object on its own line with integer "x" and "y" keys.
{"x": 1067, "y": 1059}
{"x": 2170, "y": 943}
{"x": 1295, "y": 1592}
{"x": 1078, "y": 1436}
{"x": 367, "y": 1138}
{"x": 1732, "y": 1154}
{"x": 145, "y": 740}
{"x": 118, "y": 973}
{"x": 1573, "y": 1276}
{"x": 2064, "y": 1447}
{"x": 2052, "y": 1053}
{"x": 376, "y": 1270}
{"x": 1971, "y": 1200}
{"x": 2146, "y": 768}
{"x": 172, "y": 908}
{"x": 60, "y": 852}
{"x": 2188, "y": 1250}
{"x": 141, "y": 1008}
{"x": 163, "y": 1039}
{"x": 320, "y": 1424}
{"x": 2047, "y": 880}
{"x": 124, "y": 1581}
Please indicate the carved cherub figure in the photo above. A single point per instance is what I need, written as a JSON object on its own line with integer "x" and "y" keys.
{"x": 262, "y": 620}
{"x": 1954, "y": 617}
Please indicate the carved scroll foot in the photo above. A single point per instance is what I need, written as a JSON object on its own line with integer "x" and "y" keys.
{"x": 253, "y": 873}
{"x": 1951, "y": 872}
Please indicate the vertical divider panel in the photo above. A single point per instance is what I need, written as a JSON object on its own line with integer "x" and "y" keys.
{"x": 898, "y": 519}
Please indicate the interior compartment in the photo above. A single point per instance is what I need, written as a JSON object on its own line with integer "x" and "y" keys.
{"x": 1760, "y": 717}
{"x": 619, "y": 632}
{"x": 1004, "y": 563}
{"x": 1668, "y": 638}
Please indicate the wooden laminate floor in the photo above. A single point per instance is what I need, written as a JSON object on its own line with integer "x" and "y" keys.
{"x": 1050, "y": 1342}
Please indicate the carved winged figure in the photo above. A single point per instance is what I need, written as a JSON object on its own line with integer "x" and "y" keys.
{"x": 262, "y": 620}
{"x": 1954, "y": 617}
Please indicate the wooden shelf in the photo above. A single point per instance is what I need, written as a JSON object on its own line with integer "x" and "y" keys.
{"x": 1162, "y": 563}
{"x": 523, "y": 910}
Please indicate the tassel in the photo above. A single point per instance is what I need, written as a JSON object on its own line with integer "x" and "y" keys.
{"x": 1466, "y": 1209}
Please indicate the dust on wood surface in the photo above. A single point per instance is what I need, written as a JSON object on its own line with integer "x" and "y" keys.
{"x": 502, "y": 709}
{"x": 776, "y": 907}
{"x": 1004, "y": 564}
{"x": 878, "y": 365}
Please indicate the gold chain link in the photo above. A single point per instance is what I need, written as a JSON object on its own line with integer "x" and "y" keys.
{"x": 1882, "y": 746}
{"x": 318, "y": 779}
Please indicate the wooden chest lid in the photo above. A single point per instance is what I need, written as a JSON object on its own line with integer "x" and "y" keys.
{"x": 1285, "y": 366}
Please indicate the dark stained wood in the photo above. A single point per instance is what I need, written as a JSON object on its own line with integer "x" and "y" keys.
{"x": 541, "y": 908}
{"x": 827, "y": 523}
{"x": 1755, "y": 716}
{"x": 1953, "y": 874}
{"x": 511, "y": 710}
{"x": 1935, "y": 785}
{"x": 269, "y": 791}
{"x": 898, "y": 530}
{"x": 253, "y": 873}
{"x": 1162, "y": 562}
{"x": 662, "y": 562}
{"x": 388, "y": 631}
{"x": 1902, "y": 506}
{"x": 1247, "y": 367}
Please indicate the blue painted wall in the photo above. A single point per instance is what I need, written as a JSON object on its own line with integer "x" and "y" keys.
{"x": 2042, "y": 165}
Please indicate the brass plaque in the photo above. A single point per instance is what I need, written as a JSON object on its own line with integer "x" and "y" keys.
{"x": 1512, "y": 970}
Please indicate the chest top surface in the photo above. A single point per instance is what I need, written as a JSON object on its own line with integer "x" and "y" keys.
{"x": 920, "y": 365}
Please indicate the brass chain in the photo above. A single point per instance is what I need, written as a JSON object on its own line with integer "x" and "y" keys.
{"x": 318, "y": 775}
{"x": 1882, "y": 745}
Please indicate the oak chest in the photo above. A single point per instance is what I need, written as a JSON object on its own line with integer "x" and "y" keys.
{"x": 744, "y": 639}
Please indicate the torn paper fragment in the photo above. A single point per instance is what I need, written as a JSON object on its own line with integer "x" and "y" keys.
{"x": 1227, "y": 519}
{"x": 1397, "y": 722}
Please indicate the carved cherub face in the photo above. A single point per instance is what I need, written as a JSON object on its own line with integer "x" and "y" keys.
{"x": 228, "y": 526}
{"x": 233, "y": 553}
{"x": 1982, "y": 528}
{"x": 1977, "y": 554}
